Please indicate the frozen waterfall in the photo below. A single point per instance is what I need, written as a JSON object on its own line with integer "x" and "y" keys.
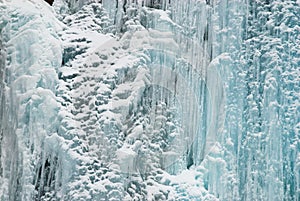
{"x": 150, "y": 100}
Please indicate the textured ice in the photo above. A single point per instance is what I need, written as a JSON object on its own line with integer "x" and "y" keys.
{"x": 149, "y": 100}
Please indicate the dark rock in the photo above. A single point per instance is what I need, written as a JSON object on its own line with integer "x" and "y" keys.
{"x": 50, "y": 2}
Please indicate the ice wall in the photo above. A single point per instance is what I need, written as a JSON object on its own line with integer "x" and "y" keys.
{"x": 149, "y": 100}
{"x": 243, "y": 41}
{"x": 32, "y": 167}
{"x": 254, "y": 146}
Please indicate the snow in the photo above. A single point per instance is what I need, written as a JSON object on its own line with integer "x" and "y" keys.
{"x": 197, "y": 100}
{"x": 126, "y": 158}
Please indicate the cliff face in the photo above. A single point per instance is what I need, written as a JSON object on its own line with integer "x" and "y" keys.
{"x": 149, "y": 100}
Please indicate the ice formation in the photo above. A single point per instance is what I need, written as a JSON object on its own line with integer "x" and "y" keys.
{"x": 149, "y": 100}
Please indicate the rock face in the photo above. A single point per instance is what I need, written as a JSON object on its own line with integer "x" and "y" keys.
{"x": 50, "y": 2}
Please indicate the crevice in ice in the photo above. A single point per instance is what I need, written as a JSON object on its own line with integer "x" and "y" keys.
{"x": 45, "y": 178}
{"x": 190, "y": 158}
